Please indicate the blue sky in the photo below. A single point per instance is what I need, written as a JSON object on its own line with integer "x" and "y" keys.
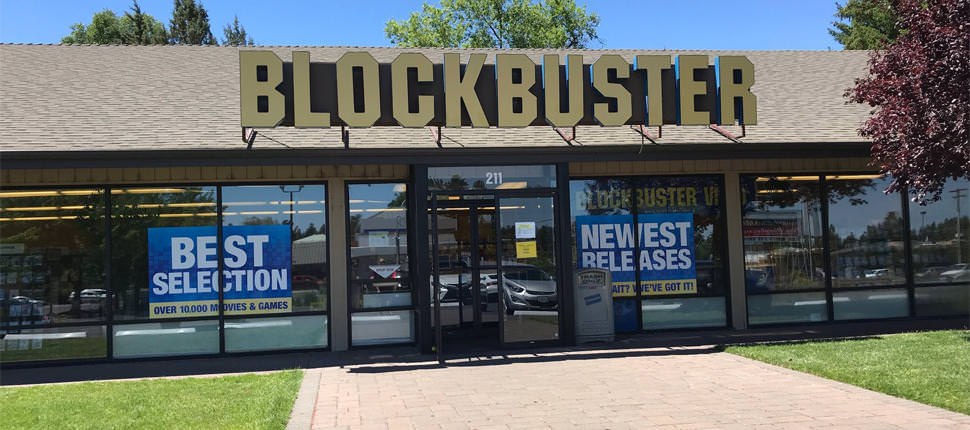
{"x": 681, "y": 24}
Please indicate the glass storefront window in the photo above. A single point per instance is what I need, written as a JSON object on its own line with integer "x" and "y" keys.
{"x": 165, "y": 338}
{"x": 866, "y": 304}
{"x": 681, "y": 313}
{"x": 144, "y": 222}
{"x": 382, "y": 327}
{"x": 866, "y": 229}
{"x": 378, "y": 228}
{"x": 280, "y": 232}
{"x": 52, "y": 257}
{"x": 943, "y": 300}
{"x": 606, "y": 199}
{"x": 259, "y": 334}
{"x": 787, "y": 308}
{"x": 940, "y": 235}
{"x": 54, "y": 343}
{"x": 782, "y": 228}
{"x": 678, "y": 251}
{"x": 665, "y": 201}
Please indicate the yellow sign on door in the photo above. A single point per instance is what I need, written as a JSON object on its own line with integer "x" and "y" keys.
{"x": 526, "y": 249}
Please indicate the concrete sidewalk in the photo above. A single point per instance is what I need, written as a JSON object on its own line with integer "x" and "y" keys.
{"x": 677, "y": 387}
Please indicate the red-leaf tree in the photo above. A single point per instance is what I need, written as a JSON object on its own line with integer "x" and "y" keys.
{"x": 919, "y": 87}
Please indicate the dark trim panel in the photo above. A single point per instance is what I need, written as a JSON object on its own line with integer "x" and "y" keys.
{"x": 490, "y": 155}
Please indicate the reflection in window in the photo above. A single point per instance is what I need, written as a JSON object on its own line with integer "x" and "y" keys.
{"x": 166, "y": 338}
{"x": 287, "y": 332}
{"x": 787, "y": 308}
{"x": 263, "y": 210}
{"x": 865, "y": 232}
{"x": 133, "y": 212}
{"x": 602, "y": 201}
{"x": 378, "y": 246}
{"x": 54, "y": 343}
{"x": 700, "y": 198}
{"x": 867, "y": 304}
{"x": 52, "y": 257}
{"x": 530, "y": 289}
{"x": 940, "y": 234}
{"x": 782, "y": 228}
{"x": 604, "y": 207}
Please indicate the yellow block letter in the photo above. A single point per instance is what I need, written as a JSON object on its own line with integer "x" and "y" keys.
{"x": 654, "y": 64}
{"x": 251, "y": 89}
{"x": 302, "y": 117}
{"x": 574, "y": 83}
{"x": 507, "y": 91}
{"x": 686, "y": 64}
{"x": 460, "y": 89}
{"x": 399, "y": 90}
{"x": 601, "y": 111}
{"x": 345, "y": 89}
{"x": 731, "y": 90}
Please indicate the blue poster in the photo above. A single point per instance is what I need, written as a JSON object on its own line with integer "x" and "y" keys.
{"x": 666, "y": 260}
{"x": 667, "y": 253}
{"x": 183, "y": 270}
{"x": 606, "y": 242}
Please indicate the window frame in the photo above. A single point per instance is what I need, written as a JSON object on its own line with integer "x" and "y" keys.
{"x": 409, "y": 194}
{"x": 909, "y": 284}
{"x": 633, "y": 180}
{"x": 109, "y": 323}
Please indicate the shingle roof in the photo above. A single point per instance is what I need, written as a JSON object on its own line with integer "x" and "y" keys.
{"x": 72, "y": 97}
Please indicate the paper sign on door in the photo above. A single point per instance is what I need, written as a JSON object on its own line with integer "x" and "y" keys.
{"x": 525, "y": 230}
{"x": 525, "y": 249}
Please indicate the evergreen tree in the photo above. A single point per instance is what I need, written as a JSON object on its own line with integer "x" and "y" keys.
{"x": 190, "y": 24}
{"x": 872, "y": 24}
{"x": 142, "y": 28}
{"x": 236, "y": 34}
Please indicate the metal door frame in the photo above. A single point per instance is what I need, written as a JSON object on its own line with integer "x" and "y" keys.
{"x": 496, "y": 195}
{"x": 560, "y": 285}
{"x": 472, "y": 206}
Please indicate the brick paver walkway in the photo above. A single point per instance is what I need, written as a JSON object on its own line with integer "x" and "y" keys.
{"x": 612, "y": 389}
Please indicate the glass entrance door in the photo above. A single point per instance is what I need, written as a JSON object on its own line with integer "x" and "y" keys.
{"x": 464, "y": 280}
{"x": 530, "y": 287}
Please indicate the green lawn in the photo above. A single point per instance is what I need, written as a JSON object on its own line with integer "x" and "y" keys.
{"x": 252, "y": 401}
{"x": 928, "y": 367}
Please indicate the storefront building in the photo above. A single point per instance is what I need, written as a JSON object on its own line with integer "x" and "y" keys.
{"x": 160, "y": 201}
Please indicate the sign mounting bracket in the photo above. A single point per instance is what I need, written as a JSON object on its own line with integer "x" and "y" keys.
{"x": 731, "y": 136}
{"x": 642, "y": 131}
{"x": 248, "y": 136}
{"x": 435, "y": 134}
{"x": 570, "y": 138}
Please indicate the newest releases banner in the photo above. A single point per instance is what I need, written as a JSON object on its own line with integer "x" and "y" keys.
{"x": 183, "y": 270}
{"x": 666, "y": 257}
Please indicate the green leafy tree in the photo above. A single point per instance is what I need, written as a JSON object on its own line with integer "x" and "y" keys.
{"x": 190, "y": 24}
{"x": 236, "y": 34}
{"x": 872, "y": 24}
{"x": 106, "y": 27}
{"x": 498, "y": 24}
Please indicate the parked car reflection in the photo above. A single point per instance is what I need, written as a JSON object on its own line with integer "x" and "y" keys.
{"x": 92, "y": 300}
{"x": 528, "y": 288}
